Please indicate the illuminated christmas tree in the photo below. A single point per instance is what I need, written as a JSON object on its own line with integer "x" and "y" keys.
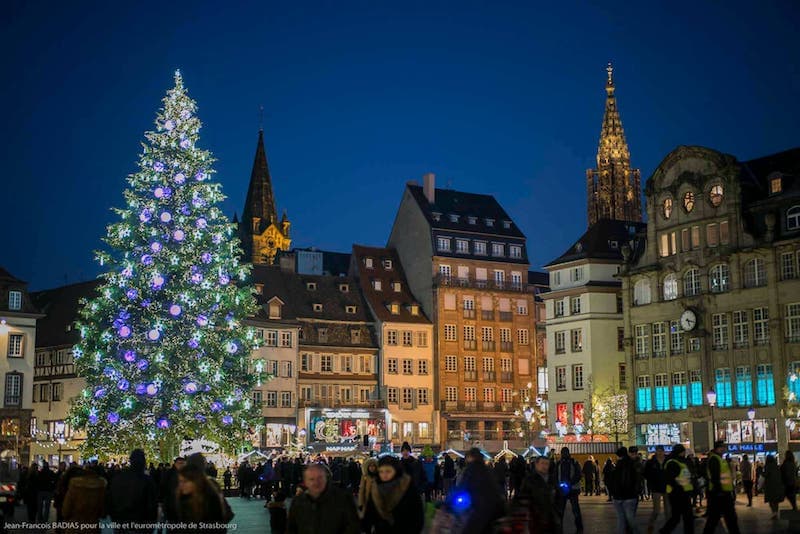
{"x": 163, "y": 348}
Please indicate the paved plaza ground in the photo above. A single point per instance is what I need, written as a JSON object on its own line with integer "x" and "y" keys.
{"x": 598, "y": 517}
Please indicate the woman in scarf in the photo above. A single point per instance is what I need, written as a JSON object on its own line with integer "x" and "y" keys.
{"x": 369, "y": 474}
{"x": 394, "y": 504}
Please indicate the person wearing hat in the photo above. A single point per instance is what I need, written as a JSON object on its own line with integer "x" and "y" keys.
{"x": 413, "y": 467}
{"x": 679, "y": 489}
{"x": 720, "y": 495}
{"x": 568, "y": 477}
{"x": 393, "y": 504}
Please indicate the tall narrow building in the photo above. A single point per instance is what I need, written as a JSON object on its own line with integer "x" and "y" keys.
{"x": 261, "y": 232}
{"x": 613, "y": 189}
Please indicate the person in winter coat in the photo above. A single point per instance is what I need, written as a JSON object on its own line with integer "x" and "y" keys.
{"x": 655, "y": 474}
{"x": 608, "y": 471}
{"x": 746, "y": 469}
{"x": 789, "y": 478}
{"x": 774, "y": 491}
{"x": 538, "y": 493}
{"x": 369, "y": 474}
{"x": 589, "y": 475}
{"x": 84, "y": 500}
{"x": 517, "y": 472}
{"x": 132, "y": 496}
{"x": 199, "y": 502}
{"x": 227, "y": 477}
{"x": 487, "y": 504}
{"x": 413, "y": 467}
{"x": 322, "y": 508}
{"x": 45, "y": 488}
{"x": 625, "y": 486}
{"x": 720, "y": 496}
{"x": 29, "y": 492}
{"x": 568, "y": 476}
{"x": 169, "y": 489}
{"x": 448, "y": 473}
{"x": 500, "y": 473}
{"x": 277, "y": 512}
{"x": 680, "y": 489}
{"x": 393, "y": 501}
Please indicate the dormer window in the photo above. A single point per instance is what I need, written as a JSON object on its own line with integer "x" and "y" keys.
{"x": 396, "y": 286}
{"x": 15, "y": 300}
{"x": 436, "y": 216}
{"x": 355, "y": 336}
{"x": 322, "y": 335}
{"x": 350, "y": 309}
{"x": 472, "y": 220}
{"x": 368, "y": 263}
{"x": 259, "y": 289}
{"x": 376, "y": 285}
{"x": 275, "y": 307}
{"x": 515, "y": 251}
{"x": 414, "y": 309}
{"x": 506, "y": 224}
{"x": 775, "y": 185}
{"x": 443, "y": 244}
{"x": 344, "y": 288}
{"x": 317, "y": 307}
{"x": 387, "y": 264}
{"x": 489, "y": 222}
{"x": 453, "y": 218}
{"x": 394, "y": 309}
{"x": 311, "y": 286}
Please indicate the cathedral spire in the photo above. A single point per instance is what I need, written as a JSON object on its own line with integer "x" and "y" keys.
{"x": 613, "y": 188}
{"x": 260, "y": 202}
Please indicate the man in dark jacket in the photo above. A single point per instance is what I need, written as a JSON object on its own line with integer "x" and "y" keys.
{"x": 589, "y": 475}
{"x": 680, "y": 489}
{"x": 568, "y": 476}
{"x": 624, "y": 488}
{"x": 538, "y": 493}
{"x": 132, "y": 496}
{"x": 487, "y": 504}
{"x": 413, "y": 467}
{"x": 169, "y": 489}
{"x": 655, "y": 475}
{"x": 323, "y": 508}
{"x": 448, "y": 473}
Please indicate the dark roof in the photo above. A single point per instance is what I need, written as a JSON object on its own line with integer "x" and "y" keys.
{"x": 260, "y": 201}
{"x": 538, "y": 278}
{"x": 61, "y": 308}
{"x": 6, "y": 276}
{"x": 335, "y": 263}
{"x": 465, "y": 205}
{"x": 757, "y": 172}
{"x": 293, "y": 290}
{"x": 379, "y": 300}
{"x": 602, "y": 240}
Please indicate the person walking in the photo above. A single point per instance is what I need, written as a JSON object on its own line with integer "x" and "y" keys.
{"x": 746, "y": 469}
{"x": 789, "y": 478}
{"x": 29, "y": 492}
{"x": 624, "y": 488}
{"x": 369, "y": 474}
{"x": 719, "y": 495}
{"x": 655, "y": 475}
{"x": 413, "y": 467}
{"x": 84, "y": 500}
{"x": 538, "y": 494}
{"x": 773, "y": 488}
{"x": 680, "y": 489}
{"x": 448, "y": 474}
{"x": 322, "y": 508}
{"x": 227, "y": 477}
{"x": 568, "y": 475}
{"x": 477, "y": 481}
{"x": 589, "y": 475}
{"x": 198, "y": 501}
{"x": 500, "y": 470}
{"x": 393, "y": 502}
{"x": 45, "y": 488}
{"x": 132, "y": 496}
{"x": 169, "y": 489}
{"x": 759, "y": 472}
{"x": 608, "y": 471}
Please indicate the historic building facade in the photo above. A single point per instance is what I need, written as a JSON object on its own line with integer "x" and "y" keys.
{"x": 18, "y": 317}
{"x": 712, "y": 303}
{"x": 467, "y": 263}
{"x": 405, "y": 338}
{"x": 613, "y": 189}
{"x": 262, "y": 234}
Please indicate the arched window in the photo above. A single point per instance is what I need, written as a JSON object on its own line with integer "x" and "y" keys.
{"x": 641, "y": 292}
{"x": 719, "y": 278}
{"x": 670, "y": 287}
{"x": 691, "y": 282}
{"x": 688, "y": 201}
{"x": 793, "y": 218}
{"x": 715, "y": 195}
{"x": 755, "y": 274}
{"x": 666, "y": 208}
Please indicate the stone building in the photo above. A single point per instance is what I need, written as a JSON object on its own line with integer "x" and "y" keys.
{"x": 467, "y": 263}
{"x": 712, "y": 302}
{"x": 18, "y": 317}
{"x": 55, "y": 382}
{"x": 262, "y": 234}
{"x": 405, "y": 337}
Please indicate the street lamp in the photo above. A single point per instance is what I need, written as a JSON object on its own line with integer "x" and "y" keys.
{"x": 751, "y": 413}
{"x": 528, "y": 413}
{"x": 711, "y": 397}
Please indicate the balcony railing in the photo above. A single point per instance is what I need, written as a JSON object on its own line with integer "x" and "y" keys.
{"x": 487, "y": 345}
{"x": 660, "y": 354}
{"x": 54, "y": 370}
{"x": 487, "y": 315}
{"x": 506, "y": 376}
{"x": 506, "y": 316}
{"x": 642, "y": 355}
{"x": 12, "y": 400}
{"x": 561, "y": 350}
{"x": 489, "y": 376}
{"x": 470, "y": 344}
{"x": 453, "y": 281}
{"x": 759, "y": 342}
{"x": 506, "y": 346}
{"x": 472, "y": 376}
{"x": 463, "y": 406}
{"x": 469, "y": 314}
{"x": 331, "y": 403}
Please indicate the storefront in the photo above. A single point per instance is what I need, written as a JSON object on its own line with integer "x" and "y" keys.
{"x": 345, "y": 425}
{"x": 756, "y": 438}
{"x": 664, "y": 434}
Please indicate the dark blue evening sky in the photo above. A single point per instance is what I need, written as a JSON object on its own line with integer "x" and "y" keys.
{"x": 494, "y": 97}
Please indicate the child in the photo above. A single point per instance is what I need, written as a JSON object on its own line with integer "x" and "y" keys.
{"x": 277, "y": 512}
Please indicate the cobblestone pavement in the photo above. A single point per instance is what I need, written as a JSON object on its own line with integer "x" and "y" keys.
{"x": 251, "y": 516}
{"x": 599, "y": 517}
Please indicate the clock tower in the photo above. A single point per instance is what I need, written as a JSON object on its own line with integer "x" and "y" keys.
{"x": 262, "y": 234}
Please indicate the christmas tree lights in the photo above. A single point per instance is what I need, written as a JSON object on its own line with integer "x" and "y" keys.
{"x": 163, "y": 348}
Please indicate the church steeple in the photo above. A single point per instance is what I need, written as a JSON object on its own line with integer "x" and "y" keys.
{"x": 613, "y": 188}
{"x": 261, "y": 232}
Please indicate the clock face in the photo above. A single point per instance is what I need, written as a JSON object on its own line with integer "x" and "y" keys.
{"x": 688, "y": 320}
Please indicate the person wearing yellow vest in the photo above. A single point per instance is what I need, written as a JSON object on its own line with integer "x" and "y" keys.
{"x": 721, "y": 499}
{"x": 679, "y": 491}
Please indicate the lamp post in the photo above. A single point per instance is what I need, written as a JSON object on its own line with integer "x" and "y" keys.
{"x": 711, "y": 397}
{"x": 528, "y": 413}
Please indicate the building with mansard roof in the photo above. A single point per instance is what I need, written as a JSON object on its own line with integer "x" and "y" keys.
{"x": 712, "y": 303}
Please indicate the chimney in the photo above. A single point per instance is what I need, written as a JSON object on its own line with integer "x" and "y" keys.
{"x": 429, "y": 186}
